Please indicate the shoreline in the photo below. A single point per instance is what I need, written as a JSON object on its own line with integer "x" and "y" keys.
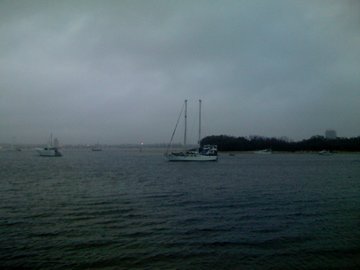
{"x": 285, "y": 152}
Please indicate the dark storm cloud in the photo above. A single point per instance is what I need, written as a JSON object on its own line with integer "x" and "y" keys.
{"x": 119, "y": 70}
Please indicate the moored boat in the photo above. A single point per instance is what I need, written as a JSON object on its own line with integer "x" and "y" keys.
{"x": 52, "y": 150}
{"x": 264, "y": 151}
{"x": 325, "y": 153}
{"x": 203, "y": 153}
{"x": 49, "y": 152}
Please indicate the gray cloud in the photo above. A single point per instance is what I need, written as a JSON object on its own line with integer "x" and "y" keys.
{"x": 118, "y": 71}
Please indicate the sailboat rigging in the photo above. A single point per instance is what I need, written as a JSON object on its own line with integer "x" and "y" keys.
{"x": 203, "y": 153}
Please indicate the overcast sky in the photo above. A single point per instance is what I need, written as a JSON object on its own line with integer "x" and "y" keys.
{"x": 119, "y": 71}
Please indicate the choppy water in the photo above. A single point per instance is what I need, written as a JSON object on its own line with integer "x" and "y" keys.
{"x": 118, "y": 209}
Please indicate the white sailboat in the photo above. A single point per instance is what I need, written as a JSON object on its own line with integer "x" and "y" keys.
{"x": 52, "y": 150}
{"x": 204, "y": 153}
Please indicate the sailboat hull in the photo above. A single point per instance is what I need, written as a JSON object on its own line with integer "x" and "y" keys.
{"x": 49, "y": 152}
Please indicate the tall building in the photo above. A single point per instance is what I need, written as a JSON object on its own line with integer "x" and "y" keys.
{"x": 330, "y": 134}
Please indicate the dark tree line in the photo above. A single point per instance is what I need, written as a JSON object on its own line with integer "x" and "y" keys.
{"x": 315, "y": 143}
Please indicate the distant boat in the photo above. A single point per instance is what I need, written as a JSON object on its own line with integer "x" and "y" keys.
{"x": 325, "y": 153}
{"x": 204, "y": 153}
{"x": 264, "y": 151}
{"x": 52, "y": 150}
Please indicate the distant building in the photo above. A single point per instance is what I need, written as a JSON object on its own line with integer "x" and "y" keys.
{"x": 330, "y": 134}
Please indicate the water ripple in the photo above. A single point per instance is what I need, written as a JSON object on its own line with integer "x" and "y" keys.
{"x": 131, "y": 210}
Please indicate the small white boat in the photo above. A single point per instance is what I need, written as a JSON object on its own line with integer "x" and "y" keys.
{"x": 205, "y": 153}
{"x": 325, "y": 153}
{"x": 52, "y": 150}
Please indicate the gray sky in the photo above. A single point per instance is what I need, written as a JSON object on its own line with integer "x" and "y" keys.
{"x": 118, "y": 71}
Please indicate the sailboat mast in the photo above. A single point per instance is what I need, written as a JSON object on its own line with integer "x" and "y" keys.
{"x": 199, "y": 122}
{"x": 185, "y": 122}
{"x": 51, "y": 140}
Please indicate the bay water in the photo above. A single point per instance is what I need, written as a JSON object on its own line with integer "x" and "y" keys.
{"x": 126, "y": 209}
